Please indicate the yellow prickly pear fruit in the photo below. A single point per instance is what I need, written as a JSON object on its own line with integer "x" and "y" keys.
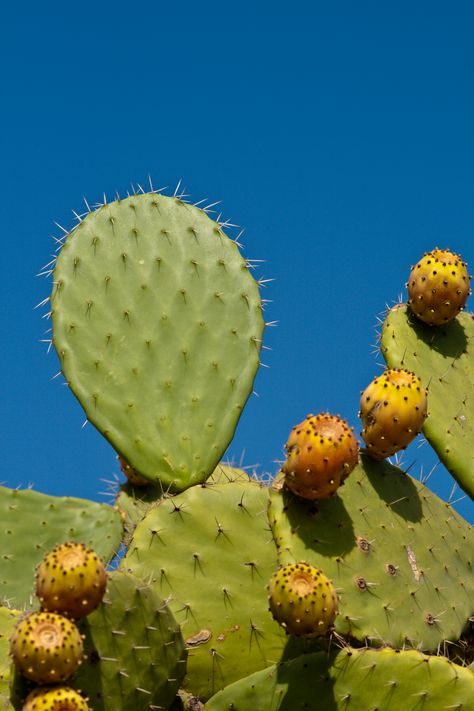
{"x": 71, "y": 579}
{"x": 55, "y": 698}
{"x": 303, "y": 600}
{"x": 321, "y": 453}
{"x": 438, "y": 287}
{"x": 46, "y": 648}
{"x": 392, "y": 409}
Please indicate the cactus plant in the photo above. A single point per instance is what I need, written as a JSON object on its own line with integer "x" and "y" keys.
{"x": 158, "y": 325}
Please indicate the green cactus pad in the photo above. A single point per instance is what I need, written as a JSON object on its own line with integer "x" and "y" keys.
{"x": 135, "y": 651}
{"x": 442, "y": 357}
{"x": 31, "y": 524}
{"x": 210, "y": 553}
{"x": 8, "y": 620}
{"x": 157, "y": 322}
{"x": 400, "y": 558}
{"x": 358, "y": 679}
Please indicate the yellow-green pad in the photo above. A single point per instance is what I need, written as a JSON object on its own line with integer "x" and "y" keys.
{"x": 353, "y": 679}
{"x": 400, "y": 558}
{"x": 442, "y": 356}
{"x": 210, "y": 553}
{"x": 31, "y": 524}
{"x": 157, "y": 322}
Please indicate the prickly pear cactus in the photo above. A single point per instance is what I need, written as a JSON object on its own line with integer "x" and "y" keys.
{"x": 442, "y": 357}
{"x": 158, "y": 323}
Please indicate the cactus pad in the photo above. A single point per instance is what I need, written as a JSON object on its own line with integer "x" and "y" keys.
{"x": 401, "y": 559}
{"x": 158, "y": 324}
{"x": 442, "y": 357}
{"x": 373, "y": 680}
{"x": 134, "y": 649}
{"x": 209, "y": 550}
{"x": 32, "y": 523}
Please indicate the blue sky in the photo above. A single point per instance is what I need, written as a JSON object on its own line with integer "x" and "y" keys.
{"x": 339, "y": 136}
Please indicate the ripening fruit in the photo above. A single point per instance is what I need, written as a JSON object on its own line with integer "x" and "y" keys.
{"x": 303, "y": 600}
{"x": 393, "y": 409}
{"x": 131, "y": 474}
{"x": 71, "y": 579}
{"x": 46, "y": 647}
{"x": 55, "y": 698}
{"x": 438, "y": 287}
{"x": 321, "y": 453}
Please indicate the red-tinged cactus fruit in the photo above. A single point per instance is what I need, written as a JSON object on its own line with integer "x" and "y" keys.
{"x": 393, "y": 409}
{"x": 321, "y": 453}
{"x": 56, "y": 698}
{"x": 131, "y": 474}
{"x": 71, "y": 580}
{"x": 438, "y": 287}
{"x": 46, "y": 647}
{"x": 303, "y": 600}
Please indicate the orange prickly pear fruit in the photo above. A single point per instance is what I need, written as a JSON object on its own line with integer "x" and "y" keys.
{"x": 438, "y": 287}
{"x": 303, "y": 600}
{"x": 321, "y": 453}
{"x": 392, "y": 409}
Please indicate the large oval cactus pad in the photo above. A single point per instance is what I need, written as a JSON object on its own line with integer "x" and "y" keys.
{"x": 400, "y": 558}
{"x": 158, "y": 325}
{"x": 442, "y": 356}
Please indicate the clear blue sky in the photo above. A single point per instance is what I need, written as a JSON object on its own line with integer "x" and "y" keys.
{"x": 340, "y": 135}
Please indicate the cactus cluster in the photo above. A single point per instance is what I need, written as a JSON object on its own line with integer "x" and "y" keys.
{"x": 344, "y": 584}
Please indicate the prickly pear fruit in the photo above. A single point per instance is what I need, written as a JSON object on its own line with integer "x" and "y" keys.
{"x": 56, "y": 698}
{"x": 303, "y": 600}
{"x": 46, "y": 647}
{"x": 131, "y": 474}
{"x": 71, "y": 580}
{"x": 438, "y": 287}
{"x": 392, "y": 409}
{"x": 321, "y": 453}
